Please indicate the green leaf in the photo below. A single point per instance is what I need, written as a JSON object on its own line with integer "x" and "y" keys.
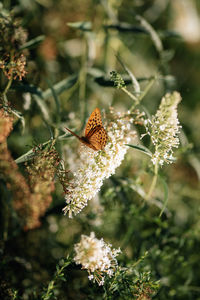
{"x": 33, "y": 43}
{"x": 141, "y": 148}
{"x": 43, "y": 107}
{"x": 26, "y": 88}
{"x": 61, "y": 86}
{"x": 30, "y": 154}
{"x": 137, "y": 188}
{"x": 40, "y": 96}
{"x": 56, "y": 99}
{"x": 152, "y": 32}
{"x": 25, "y": 157}
{"x": 135, "y": 83}
{"x": 126, "y": 27}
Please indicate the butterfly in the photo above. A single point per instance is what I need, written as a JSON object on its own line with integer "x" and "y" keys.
{"x": 95, "y": 134}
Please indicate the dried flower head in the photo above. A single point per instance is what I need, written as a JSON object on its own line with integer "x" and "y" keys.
{"x": 96, "y": 257}
{"x": 31, "y": 200}
{"x": 6, "y": 124}
{"x": 15, "y": 181}
{"x": 95, "y": 166}
{"x": 12, "y": 37}
{"x": 14, "y": 67}
{"x": 41, "y": 175}
{"x": 163, "y": 129}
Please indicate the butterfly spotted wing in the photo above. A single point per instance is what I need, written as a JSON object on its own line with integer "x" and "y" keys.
{"x": 95, "y": 135}
{"x": 98, "y": 139}
{"x": 93, "y": 121}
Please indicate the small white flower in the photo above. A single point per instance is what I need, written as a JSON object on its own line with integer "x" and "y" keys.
{"x": 96, "y": 257}
{"x": 162, "y": 127}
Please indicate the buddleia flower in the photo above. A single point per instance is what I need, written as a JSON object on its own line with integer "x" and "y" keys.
{"x": 97, "y": 257}
{"x": 163, "y": 129}
{"x": 95, "y": 166}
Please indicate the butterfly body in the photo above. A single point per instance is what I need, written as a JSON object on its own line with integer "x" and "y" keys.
{"x": 95, "y": 134}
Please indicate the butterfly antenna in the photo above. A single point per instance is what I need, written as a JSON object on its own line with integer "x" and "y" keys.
{"x": 73, "y": 133}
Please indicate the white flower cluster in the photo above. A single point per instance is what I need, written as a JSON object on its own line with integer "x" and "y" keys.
{"x": 95, "y": 166}
{"x": 96, "y": 257}
{"x": 164, "y": 128}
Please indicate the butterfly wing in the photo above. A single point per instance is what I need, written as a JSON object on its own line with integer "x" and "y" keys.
{"x": 95, "y": 135}
{"x": 98, "y": 138}
{"x": 92, "y": 131}
{"x": 93, "y": 121}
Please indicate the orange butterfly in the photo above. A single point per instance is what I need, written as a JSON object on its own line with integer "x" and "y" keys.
{"x": 95, "y": 135}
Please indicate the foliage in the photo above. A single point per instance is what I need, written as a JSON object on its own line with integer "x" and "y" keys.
{"x": 59, "y": 60}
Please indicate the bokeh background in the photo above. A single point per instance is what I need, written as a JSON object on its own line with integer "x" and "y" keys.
{"x": 78, "y": 41}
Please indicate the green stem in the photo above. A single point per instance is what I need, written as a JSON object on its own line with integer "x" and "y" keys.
{"x": 130, "y": 95}
{"x": 140, "y": 259}
{"x": 153, "y": 184}
{"x": 8, "y": 85}
{"x": 5, "y": 100}
{"x": 49, "y": 294}
{"x": 83, "y": 79}
{"x": 147, "y": 88}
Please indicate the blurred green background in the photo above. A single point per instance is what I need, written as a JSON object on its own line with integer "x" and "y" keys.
{"x": 79, "y": 41}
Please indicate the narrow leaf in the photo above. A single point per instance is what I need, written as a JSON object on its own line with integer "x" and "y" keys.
{"x": 33, "y": 43}
{"x": 39, "y": 96}
{"x": 43, "y": 107}
{"x": 126, "y": 27}
{"x": 61, "y": 86}
{"x": 141, "y": 148}
{"x": 153, "y": 34}
{"x": 25, "y": 157}
{"x": 135, "y": 83}
{"x": 55, "y": 96}
{"x": 27, "y": 88}
{"x": 30, "y": 154}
